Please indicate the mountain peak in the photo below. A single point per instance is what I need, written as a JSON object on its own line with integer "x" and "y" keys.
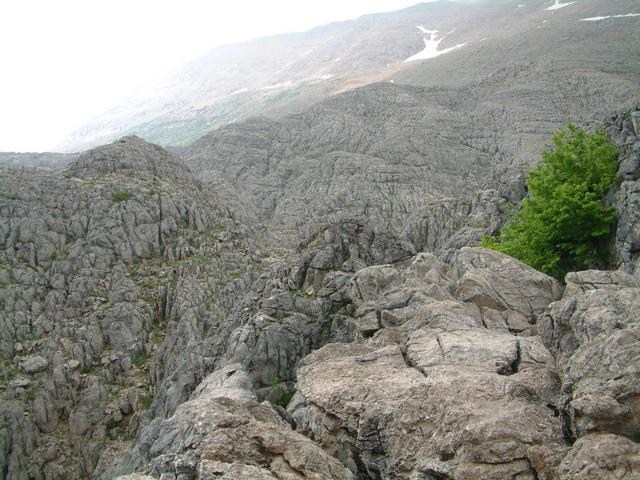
{"x": 129, "y": 154}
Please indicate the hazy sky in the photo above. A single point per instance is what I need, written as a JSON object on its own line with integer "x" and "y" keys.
{"x": 64, "y": 61}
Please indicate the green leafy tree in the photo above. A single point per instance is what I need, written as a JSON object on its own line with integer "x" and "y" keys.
{"x": 563, "y": 224}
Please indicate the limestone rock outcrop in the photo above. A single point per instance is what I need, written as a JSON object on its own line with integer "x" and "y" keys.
{"x": 242, "y": 317}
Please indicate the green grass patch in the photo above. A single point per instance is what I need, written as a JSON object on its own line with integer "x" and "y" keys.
{"x": 145, "y": 400}
{"x": 61, "y": 254}
{"x": 156, "y": 337}
{"x": 281, "y": 395}
{"x": 9, "y": 374}
{"x": 140, "y": 359}
{"x": 121, "y": 196}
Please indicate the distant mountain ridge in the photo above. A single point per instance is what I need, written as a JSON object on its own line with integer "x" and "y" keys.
{"x": 278, "y": 75}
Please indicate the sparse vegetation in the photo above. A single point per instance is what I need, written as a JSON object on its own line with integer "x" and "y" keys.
{"x": 145, "y": 400}
{"x": 90, "y": 370}
{"x": 61, "y": 254}
{"x": 281, "y": 395}
{"x": 564, "y": 224}
{"x": 335, "y": 310}
{"x": 121, "y": 196}
{"x": 9, "y": 374}
{"x": 10, "y": 196}
{"x": 140, "y": 359}
{"x": 236, "y": 274}
{"x": 156, "y": 337}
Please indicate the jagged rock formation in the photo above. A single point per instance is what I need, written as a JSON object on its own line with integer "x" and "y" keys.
{"x": 85, "y": 296}
{"x": 625, "y": 129}
{"x": 297, "y": 298}
{"x": 445, "y": 381}
{"x": 147, "y": 314}
{"x": 222, "y": 432}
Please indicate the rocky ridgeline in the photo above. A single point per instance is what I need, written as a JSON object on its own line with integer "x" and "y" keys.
{"x": 156, "y": 322}
{"x": 385, "y": 156}
{"x": 475, "y": 368}
{"x": 90, "y": 270}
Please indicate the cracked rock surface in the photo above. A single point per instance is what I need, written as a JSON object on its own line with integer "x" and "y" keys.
{"x": 158, "y": 321}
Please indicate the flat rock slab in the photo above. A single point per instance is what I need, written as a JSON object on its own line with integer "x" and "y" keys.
{"x": 379, "y": 414}
{"x": 495, "y": 280}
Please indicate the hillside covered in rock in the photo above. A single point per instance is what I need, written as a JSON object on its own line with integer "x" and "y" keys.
{"x": 303, "y": 296}
{"x": 147, "y": 314}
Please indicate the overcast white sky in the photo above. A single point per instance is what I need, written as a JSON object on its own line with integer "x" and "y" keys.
{"x": 64, "y": 61}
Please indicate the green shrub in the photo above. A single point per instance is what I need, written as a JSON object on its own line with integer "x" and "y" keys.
{"x": 9, "y": 374}
{"x": 140, "y": 359}
{"x": 145, "y": 400}
{"x": 10, "y": 196}
{"x": 564, "y": 225}
{"x": 281, "y": 395}
{"x": 121, "y": 196}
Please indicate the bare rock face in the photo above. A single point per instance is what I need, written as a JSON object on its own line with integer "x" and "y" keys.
{"x": 437, "y": 392}
{"x": 594, "y": 334}
{"x": 89, "y": 260}
{"x": 626, "y": 131}
{"x": 127, "y": 155}
{"x": 222, "y": 432}
{"x": 601, "y": 457}
{"x": 493, "y": 280}
{"x": 151, "y": 325}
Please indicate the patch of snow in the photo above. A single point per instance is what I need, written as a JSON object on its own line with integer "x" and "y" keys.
{"x": 392, "y": 81}
{"x": 594, "y": 19}
{"x": 557, "y": 5}
{"x": 286, "y": 84}
{"x": 242, "y": 90}
{"x": 307, "y": 52}
{"x": 431, "y": 45}
{"x": 327, "y": 76}
{"x": 597, "y": 19}
{"x": 521, "y": 5}
{"x": 424, "y": 30}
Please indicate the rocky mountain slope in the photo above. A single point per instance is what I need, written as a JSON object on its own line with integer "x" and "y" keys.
{"x": 147, "y": 313}
{"x": 284, "y": 74}
{"x": 301, "y": 297}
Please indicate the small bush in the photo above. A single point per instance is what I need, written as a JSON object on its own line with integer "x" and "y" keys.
{"x": 121, "y": 196}
{"x": 140, "y": 359}
{"x": 564, "y": 224}
{"x": 9, "y": 374}
{"x": 10, "y": 196}
{"x": 145, "y": 400}
{"x": 281, "y": 395}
